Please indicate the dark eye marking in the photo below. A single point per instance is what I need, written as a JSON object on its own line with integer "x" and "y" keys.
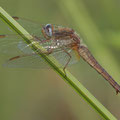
{"x": 48, "y": 30}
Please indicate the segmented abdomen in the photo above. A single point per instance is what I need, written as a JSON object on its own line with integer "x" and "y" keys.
{"x": 88, "y": 57}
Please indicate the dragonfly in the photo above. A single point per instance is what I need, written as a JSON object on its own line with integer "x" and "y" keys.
{"x": 61, "y": 42}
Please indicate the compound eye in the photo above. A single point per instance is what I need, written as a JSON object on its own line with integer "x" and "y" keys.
{"x": 48, "y": 30}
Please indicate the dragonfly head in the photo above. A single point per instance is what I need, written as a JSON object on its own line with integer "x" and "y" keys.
{"x": 48, "y": 30}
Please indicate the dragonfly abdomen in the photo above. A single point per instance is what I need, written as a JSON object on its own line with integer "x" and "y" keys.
{"x": 88, "y": 57}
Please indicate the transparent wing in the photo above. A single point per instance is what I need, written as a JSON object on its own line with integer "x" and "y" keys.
{"x": 35, "y": 61}
{"x": 9, "y": 44}
{"x": 13, "y": 45}
{"x": 32, "y": 27}
{"x": 31, "y": 61}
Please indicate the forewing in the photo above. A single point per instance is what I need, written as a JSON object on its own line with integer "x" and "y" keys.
{"x": 13, "y": 45}
{"x": 28, "y": 61}
{"x": 32, "y": 27}
{"x": 35, "y": 61}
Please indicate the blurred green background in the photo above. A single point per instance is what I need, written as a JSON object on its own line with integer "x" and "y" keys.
{"x": 36, "y": 94}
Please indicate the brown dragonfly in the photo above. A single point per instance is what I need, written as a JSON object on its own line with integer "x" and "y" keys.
{"x": 61, "y": 42}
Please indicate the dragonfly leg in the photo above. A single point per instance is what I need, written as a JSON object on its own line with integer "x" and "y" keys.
{"x": 67, "y": 61}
